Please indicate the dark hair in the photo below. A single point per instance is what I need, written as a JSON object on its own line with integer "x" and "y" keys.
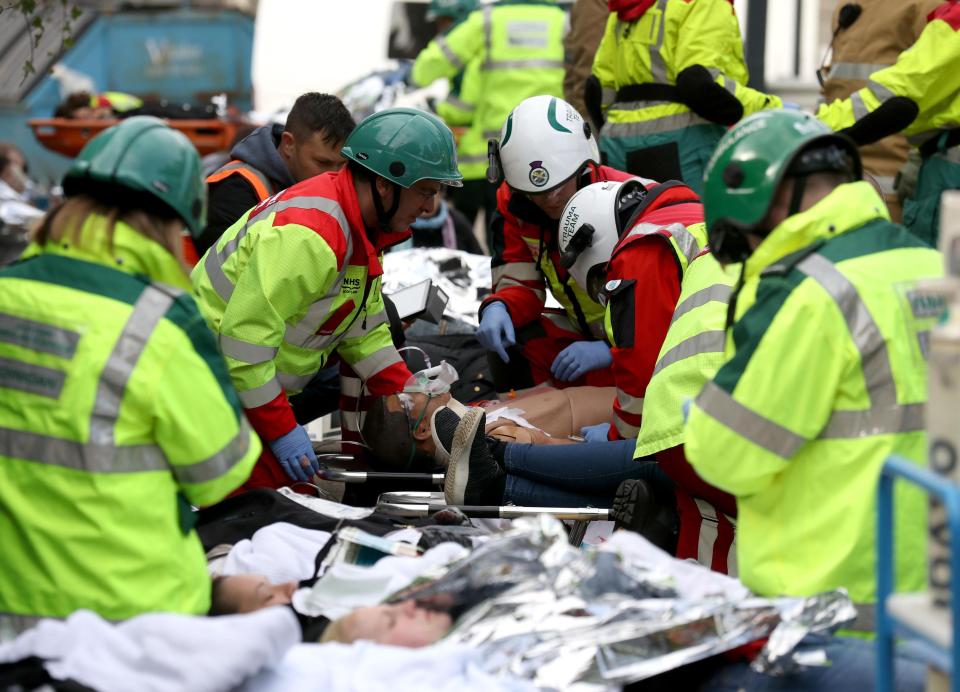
{"x": 5, "y": 149}
{"x": 314, "y": 112}
{"x": 73, "y": 103}
{"x": 218, "y": 606}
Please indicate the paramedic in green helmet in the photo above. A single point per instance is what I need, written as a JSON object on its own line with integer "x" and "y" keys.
{"x": 116, "y": 409}
{"x": 825, "y": 373}
{"x": 296, "y": 280}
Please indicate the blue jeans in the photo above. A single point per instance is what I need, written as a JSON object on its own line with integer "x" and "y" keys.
{"x": 584, "y": 474}
{"x": 852, "y": 667}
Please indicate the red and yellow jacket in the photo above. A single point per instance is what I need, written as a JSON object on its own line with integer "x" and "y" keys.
{"x": 293, "y": 281}
{"x": 643, "y": 284}
{"x": 526, "y": 259}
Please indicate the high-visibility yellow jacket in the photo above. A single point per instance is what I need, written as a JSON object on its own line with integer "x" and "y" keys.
{"x": 926, "y": 74}
{"x": 508, "y": 51}
{"x": 825, "y": 377}
{"x": 872, "y": 43}
{"x": 669, "y": 37}
{"x": 116, "y": 413}
{"x": 293, "y": 280}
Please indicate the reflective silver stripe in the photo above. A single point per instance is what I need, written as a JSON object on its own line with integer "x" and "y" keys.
{"x": 761, "y": 431}
{"x": 508, "y": 282}
{"x": 34, "y": 379}
{"x": 350, "y": 420}
{"x": 305, "y": 330}
{"x": 448, "y": 53}
{"x": 709, "y": 532}
{"x": 658, "y": 66}
{"x": 704, "y": 342}
{"x": 607, "y": 96}
{"x": 375, "y": 362}
{"x": 220, "y": 463}
{"x": 719, "y": 293}
{"x": 350, "y": 386}
{"x": 258, "y": 396}
{"x": 686, "y": 241}
{"x": 667, "y": 123}
{"x": 217, "y": 258}
{"x": 630, "y": 404}
{"x": 859, "y": 107}
{"x": 147, "y": 312}
{"x": 894, "y": 419}
{"x": 880, "y": 91}
{"x": 38, "y": 336}
{"x": 639, "y": 105}
{"x": 246, "y": 352}
{"x": 730, "y": 85}
{"x": 518, "y": 271}
{"x": 626, "y": 430}
{"x": 294, "y": 383}
{"x": 530, "y": 34}
{"x": 522, "y": 64}
{"x": 867, "y": 337}
{"x": 92, "y": 457}
{"x": 855, "y": 70}
{"x": 689, "y": 246}
{"x": 460, "y": 103}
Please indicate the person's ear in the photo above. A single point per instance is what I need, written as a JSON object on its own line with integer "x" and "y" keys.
{"x": 286, "y": 144}
{"x": 386, "y": 190}
{"x": 423, "y": 430}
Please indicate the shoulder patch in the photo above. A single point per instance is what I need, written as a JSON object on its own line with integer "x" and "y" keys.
{"x": 948, "y": 12}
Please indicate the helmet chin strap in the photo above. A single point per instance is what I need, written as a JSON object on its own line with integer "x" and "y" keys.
{"x": 384, "y": 216}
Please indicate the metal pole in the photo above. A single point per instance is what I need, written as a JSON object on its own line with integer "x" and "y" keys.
{"x": 756, "y": 43}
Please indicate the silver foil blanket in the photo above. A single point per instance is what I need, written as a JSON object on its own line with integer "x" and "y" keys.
{"x": 598, "y": 619}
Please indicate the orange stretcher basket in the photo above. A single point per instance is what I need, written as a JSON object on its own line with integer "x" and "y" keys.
{"x": 67, "y": 136}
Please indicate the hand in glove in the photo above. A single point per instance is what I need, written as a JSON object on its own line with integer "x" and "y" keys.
{"x": 496, "y": 330}
{"x": 579, "y": 358}
{"x": 293, "y": 447}
{"x": 596, "y": 433}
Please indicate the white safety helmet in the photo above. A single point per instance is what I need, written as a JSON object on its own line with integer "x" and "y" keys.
{"x": 590, "y": 227}
{"x": 544, "y": 141}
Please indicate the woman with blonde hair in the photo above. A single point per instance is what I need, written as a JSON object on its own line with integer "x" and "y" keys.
{"x": 116, "y": 410}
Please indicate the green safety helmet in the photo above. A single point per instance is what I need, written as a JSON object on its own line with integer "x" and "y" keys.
{"x": 457, "y": 10}
{"x": 405, "y": 146}
{"x": 144, "y": 155}
{"x": 748, "y": 165}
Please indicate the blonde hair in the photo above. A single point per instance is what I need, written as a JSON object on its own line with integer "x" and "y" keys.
{"x": 65, "y": 224}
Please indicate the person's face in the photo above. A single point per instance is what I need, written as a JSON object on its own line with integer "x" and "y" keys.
{"x": 310, "y": 156}
{"x": 245, "y": 593}
{"x": 15, "y": 173}
{"x": 420, "y": 408}
{"x": 416, "y": 201}
{"x": 553, "y": 202}
{"x": 398, "y": 624}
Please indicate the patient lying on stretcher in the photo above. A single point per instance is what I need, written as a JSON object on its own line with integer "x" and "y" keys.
{"x": 423, "y": 427}
{"x": 404, "y": 623}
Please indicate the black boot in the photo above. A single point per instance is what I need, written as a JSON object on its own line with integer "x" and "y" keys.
{"x": 638, "y": 508}
{"x": 473, "y": 475}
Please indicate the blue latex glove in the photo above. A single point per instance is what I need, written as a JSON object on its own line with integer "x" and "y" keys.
{"x": 496, "y": 330}
{"x": 577, "y": 359}
{"x": 292, "y": 447}
{"x": 596, "y": 433}
{"x": 791, "y": 106}
{"x": 686, "y": 408}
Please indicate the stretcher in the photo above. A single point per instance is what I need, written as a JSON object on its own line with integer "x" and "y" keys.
{"x": 414, "y": 504}
{"x": 68, "y": 136}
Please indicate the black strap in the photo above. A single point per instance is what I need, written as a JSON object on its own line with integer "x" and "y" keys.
{"x": 649, "y": 92}
{"x": 943, "y": 141}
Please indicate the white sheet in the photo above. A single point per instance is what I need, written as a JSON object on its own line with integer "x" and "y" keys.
{"x": 159, "y": 652}
{"x": 365, "y": 666}
{"x": 282, "y": 552}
